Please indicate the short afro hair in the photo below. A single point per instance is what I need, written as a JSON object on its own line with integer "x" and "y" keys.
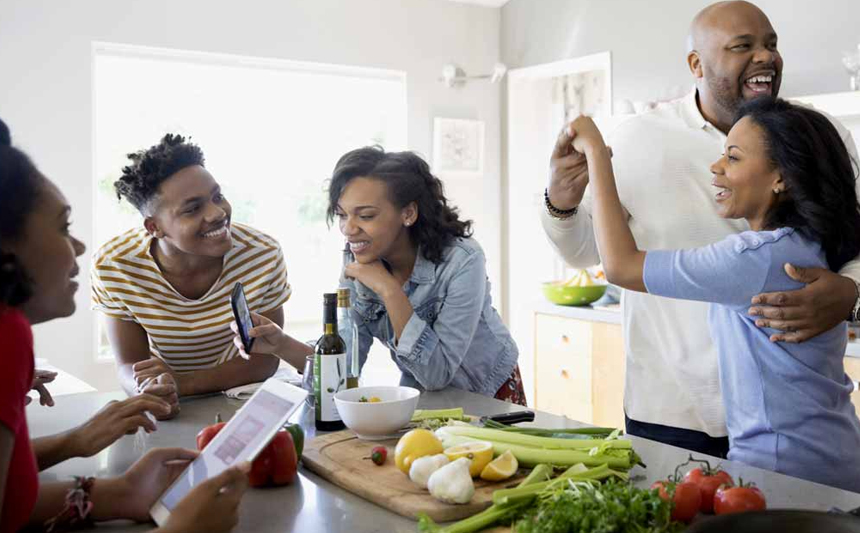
{"x": 140, "y": 180}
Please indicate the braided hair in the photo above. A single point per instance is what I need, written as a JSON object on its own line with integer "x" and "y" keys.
{"x": 149, "y": 168}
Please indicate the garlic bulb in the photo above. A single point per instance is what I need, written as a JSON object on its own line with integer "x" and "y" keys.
{"x": 423, "y": 467}
{"x": 452, "y": 483}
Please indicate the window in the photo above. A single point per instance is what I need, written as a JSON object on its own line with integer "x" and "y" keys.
{"x": 271, "y": 131}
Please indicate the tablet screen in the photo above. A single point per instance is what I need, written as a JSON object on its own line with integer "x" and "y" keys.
{"x": 252, "y": 425}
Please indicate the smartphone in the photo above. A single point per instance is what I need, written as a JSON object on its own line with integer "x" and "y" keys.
{"x": 242, "y": 315}
{"x": 241, "y": 439}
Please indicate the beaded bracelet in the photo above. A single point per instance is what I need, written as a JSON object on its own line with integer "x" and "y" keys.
{"x": 76, "y": 513}
{"x": 555, "y": 212}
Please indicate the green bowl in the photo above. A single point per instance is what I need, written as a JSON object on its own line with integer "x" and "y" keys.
{"x": 565, "y": 295}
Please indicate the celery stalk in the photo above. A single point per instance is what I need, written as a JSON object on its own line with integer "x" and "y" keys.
{"x": 533, "y": 456}
{"x": 515, "y": 496}
{"x": 455, "y": 413}
{"x": 550, "y": 443}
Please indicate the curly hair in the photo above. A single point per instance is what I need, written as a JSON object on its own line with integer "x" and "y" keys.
{"x": 821, "y": 197}
{"x": 140, "y": 180}
{"x": 20, "y": 185}
{"x": 409, "y": 179}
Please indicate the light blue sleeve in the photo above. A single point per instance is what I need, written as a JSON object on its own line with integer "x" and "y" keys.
{"x": 729, "y": 272}
{"x": 434, "y": 354}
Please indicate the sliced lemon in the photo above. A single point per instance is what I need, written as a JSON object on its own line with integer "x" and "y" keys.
{"x": 374, "y": 399}
{"x": 502, "y": 467}
{"x": 480, "y": 452}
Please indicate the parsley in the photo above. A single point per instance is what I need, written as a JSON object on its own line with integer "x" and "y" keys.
{"x": 613, "y": 506}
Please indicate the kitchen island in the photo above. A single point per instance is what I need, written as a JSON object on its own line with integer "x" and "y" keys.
{"x": 312, "y": 504}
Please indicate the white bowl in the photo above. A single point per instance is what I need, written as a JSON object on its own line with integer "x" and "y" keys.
{"x": 378, "y": 420}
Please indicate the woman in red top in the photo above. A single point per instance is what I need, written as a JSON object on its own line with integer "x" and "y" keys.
{"x": 37, "y": 267}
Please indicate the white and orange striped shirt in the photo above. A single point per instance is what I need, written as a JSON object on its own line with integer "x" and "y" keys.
{"x": 187, "y": 334}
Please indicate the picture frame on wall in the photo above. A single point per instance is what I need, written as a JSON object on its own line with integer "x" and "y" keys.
{"x": 458, "y": 147}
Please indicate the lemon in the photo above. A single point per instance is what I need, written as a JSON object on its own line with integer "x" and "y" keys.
{"x": 413, "y": 445}
{"x": 480, "y": 452}
{"x": 374, "y": 399}
{"x": 502, "y": 467}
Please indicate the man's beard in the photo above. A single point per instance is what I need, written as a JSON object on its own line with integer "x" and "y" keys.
{"x": 724, "y": 94}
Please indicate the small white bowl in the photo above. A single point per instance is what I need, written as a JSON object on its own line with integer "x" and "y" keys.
{"x": 378, "y": 420}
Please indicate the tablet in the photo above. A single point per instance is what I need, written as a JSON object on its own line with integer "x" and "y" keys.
{"x": 241, "y": 439}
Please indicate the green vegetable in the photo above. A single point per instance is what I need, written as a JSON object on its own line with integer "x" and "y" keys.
{"x": 513, "y": 496}
{"x": 585, "y": 507}
{"x": 490, "y": 516}
{"x": 617, "y": 453}
{"x": 298, "y": 435}
{"x": 548, "y": 443}
{"x": 442, "y": 414}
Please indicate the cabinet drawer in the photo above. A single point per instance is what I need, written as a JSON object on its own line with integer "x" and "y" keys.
{"x": 563, "y": 367}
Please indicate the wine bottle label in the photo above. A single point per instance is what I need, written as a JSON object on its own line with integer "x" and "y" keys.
{"x": 329, "y": 378}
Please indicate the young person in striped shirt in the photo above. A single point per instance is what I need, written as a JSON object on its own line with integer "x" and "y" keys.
{"x": 164, "y": 289}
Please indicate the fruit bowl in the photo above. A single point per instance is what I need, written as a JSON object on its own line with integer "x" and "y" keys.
{"x": 380, "y": 419}
{"x": 560, "y": 294}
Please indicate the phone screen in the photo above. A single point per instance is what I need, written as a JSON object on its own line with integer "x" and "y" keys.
{"x": 242, "y": 315}
{"x": 247, "y": 430}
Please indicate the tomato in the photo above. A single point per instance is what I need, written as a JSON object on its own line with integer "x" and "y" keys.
{"x": 686, "y": 499}
{"x": 708, "y": 481}
{"x": 738, "y": 500}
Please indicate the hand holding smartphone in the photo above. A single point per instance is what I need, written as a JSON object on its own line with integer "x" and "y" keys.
{"x": 242, "y": 315}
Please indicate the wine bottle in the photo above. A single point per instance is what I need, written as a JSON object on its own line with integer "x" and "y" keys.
{"x": 348, "y": 331}
{"x": 329, "y": 369}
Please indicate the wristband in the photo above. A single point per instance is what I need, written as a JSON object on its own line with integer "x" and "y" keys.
{"x": 555, "y": 212}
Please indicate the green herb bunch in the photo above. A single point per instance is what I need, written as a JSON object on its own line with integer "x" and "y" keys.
{"x": 612, "y": 507}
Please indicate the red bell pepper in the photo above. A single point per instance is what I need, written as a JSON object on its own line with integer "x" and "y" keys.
{"x": 276, "y": 464}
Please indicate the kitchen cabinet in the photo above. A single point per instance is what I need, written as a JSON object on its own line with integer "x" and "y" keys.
{"x": 579, "y": 369}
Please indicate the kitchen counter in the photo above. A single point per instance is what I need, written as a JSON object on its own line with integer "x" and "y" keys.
{"x": 312, "y": 504}
{"x": 579, "y": 312}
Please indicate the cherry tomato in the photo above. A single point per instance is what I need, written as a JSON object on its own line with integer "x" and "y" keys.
{"x": 378, "y": 455}
{"x": 738, "y": 500}
{"x": 686, "y": 498}
{"x": 708, "y": 480}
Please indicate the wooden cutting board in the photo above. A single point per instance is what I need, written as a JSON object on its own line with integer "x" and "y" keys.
{"x": 339, "y": 458}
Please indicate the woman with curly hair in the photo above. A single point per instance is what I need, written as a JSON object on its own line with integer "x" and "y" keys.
{"x": 38, "y": 264}
{"x": 787, "y": 172}
{"x": 164, "y": 288}
{"x": 420, "y": 279}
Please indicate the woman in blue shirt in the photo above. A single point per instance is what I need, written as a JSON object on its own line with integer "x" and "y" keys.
{"x": 419, "y": 280}
{"x": 787, "y": 172}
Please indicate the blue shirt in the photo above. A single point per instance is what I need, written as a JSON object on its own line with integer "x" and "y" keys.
{"x": 787, "y": 405}
{"x": 454, "y": 337}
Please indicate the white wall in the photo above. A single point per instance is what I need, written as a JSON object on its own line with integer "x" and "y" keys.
{"x": 647, "y": 40}
{"x": 45, "y": 93}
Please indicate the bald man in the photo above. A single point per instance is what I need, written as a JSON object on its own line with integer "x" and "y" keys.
{"x": 662, "y": 165}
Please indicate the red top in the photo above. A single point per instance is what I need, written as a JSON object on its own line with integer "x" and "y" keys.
{"x": 16, "y": 359}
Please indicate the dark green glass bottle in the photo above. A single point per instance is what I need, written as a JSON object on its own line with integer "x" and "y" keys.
{"x": 330, "y": 370}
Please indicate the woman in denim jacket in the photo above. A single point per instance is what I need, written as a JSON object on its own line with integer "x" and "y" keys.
{"x": 419, "y": 279}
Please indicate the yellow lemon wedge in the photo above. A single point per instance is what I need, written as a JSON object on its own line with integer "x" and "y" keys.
{"x": 502, "y": 467}
{"x": 374, "y": 399}
{"x": 413, "y": 445}
{"x": 480, "y": 452}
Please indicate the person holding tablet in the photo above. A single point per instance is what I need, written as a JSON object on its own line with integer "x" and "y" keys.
{"x": 38, "y": 264}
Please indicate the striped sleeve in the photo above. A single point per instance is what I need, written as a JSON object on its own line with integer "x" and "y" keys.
{"x": 278, "y": 289}
{"x": 102, "y": 299}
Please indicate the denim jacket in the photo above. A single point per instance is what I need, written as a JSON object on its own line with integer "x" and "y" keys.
{"x": 454, "y": 337}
